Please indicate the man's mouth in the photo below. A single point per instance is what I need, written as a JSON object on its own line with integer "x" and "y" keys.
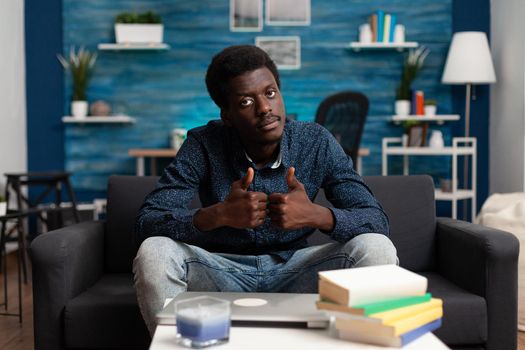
{"x": 269, "y": 123}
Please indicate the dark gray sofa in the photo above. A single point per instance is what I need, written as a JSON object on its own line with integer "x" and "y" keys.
{"x": 83, "y": 286}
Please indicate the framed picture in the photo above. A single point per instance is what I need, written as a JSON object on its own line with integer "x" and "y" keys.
{"x": 288, "y": 12}
{"x": 417, "y": 135}
{"x": 246, "y": 15}
{"x": 285, "y": 51}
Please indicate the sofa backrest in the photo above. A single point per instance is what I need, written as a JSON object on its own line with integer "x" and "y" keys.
{"x": 125, "y": 197}
{"x": 411, "y": 208}
{"x": 407, "y": 200}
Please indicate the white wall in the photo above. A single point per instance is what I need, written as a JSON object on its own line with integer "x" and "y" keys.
{"x": 13, "y": 136}
{"x": 507, "y": 112}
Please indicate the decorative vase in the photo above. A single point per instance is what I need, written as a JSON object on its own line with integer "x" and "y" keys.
{"x": 430, "y": 110}
{"x": 3, "y": 208}
{"x": 436, "y": 139}
{"x": 79, "y": 109}
{"x": 402, "y": 107}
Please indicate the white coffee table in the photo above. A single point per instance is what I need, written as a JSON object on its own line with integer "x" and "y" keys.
{"x": 255, "y": 338}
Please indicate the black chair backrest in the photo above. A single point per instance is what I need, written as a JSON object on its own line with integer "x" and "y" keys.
{"x": 344, "y": 115}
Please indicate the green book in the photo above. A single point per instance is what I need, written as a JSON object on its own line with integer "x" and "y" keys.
{"x": 372, "y": 308}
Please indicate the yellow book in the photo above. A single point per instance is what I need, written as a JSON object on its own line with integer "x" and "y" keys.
{"x": 392, "y": 328}
{"x": 391, "y": 316}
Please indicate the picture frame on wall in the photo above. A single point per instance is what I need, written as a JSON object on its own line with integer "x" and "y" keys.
{"x": 285, "y": 51}
{"x": 246, "y": 15}
{"x": 288, "y": 12}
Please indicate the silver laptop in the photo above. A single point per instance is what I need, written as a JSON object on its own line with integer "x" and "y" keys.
{"x": 260, "y": 309}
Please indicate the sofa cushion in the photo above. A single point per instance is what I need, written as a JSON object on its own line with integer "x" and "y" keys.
{"x": 125, "y": 197}
{"x": 409, "y": 203}
{"x": 464, "y": 313}
{"x": 106, "y": 316}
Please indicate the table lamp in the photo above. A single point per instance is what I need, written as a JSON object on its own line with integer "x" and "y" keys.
{"x": 468, "y": 62}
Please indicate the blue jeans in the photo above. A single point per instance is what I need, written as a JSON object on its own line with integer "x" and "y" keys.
{"x": 163, "y": 268}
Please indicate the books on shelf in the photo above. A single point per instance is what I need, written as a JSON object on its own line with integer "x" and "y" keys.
{"x": 382, "y": 25}
{"x": 383, "y": 305}
{"x": 370, "y": 284}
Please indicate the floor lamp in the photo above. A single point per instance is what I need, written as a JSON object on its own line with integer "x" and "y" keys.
{"x": 468, "y": 62}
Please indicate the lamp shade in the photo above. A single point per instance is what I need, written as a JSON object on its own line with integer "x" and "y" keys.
{"x": 469, "y": 60}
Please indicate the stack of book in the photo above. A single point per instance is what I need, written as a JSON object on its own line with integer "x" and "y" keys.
{"x": 383, "y": 305}
{"x": 382, "y": 25}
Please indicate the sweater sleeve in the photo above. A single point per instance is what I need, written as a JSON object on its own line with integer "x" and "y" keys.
{"x": 165, "y": 211}
{"x": 356, "y": 210}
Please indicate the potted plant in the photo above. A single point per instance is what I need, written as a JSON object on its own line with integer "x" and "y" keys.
{"x": 138, "y": 28}
{"x": 3, "y": 206}
{"x": 80, "y": 65}
{"x": 411, "y": 68}
{"x": 430, "y": 107}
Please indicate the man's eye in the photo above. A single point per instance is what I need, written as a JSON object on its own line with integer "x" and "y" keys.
{"x": 246, "y": 102}
{"x": 271, "y": 93}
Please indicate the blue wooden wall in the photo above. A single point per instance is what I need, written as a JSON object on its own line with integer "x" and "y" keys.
{"x": 165, "y": 89}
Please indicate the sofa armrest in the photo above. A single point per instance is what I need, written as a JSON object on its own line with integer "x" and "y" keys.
{"x": 483, "y": 261}
{"x": 65, "y": 262}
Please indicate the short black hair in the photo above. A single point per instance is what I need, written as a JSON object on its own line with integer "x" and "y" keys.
{"x": 232, "y": 62}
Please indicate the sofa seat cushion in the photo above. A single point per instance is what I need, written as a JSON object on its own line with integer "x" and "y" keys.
{"x": 464, "y": 313}
{"x": 106, "y": 316}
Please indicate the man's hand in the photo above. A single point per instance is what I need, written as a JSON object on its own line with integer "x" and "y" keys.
{"x": 294, "y": 210}
{"x": 243, "y": 208}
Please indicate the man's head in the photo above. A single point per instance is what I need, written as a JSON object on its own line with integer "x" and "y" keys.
{"x": 232, "y": 62}
{"x": 243, "y": 81}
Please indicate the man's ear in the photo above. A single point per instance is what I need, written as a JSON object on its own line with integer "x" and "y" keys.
{"x": 225, "y": 117}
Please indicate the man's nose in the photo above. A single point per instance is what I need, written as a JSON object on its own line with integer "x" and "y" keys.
{"x": 263, "y": 106}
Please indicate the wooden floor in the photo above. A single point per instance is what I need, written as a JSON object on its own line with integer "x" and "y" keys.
{"x": 16, "y": 336}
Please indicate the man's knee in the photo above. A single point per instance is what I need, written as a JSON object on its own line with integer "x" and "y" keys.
{"x": 158, "y": 252}
{"x": 371, "y": 249}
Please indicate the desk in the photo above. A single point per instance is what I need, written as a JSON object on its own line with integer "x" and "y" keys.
{"x": 265, "y": 338}
{"x": 142, "y": 153}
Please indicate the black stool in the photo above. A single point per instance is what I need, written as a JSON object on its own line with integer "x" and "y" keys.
{"x": 46, "y": 183}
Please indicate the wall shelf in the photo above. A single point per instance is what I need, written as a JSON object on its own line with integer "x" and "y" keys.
{"x": 115, "y": 119}
{"x": 438, "y": 118}
{"x": 128, "y": 46}
{"x": 357, "y": 46}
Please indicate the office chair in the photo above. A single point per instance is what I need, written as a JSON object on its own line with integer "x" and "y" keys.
{"x": 344, "y": 115}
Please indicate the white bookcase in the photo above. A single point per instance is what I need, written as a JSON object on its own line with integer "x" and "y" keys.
{"x": 461, "y": 146}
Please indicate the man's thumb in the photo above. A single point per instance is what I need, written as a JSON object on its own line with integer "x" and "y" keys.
{"x": 291, "y": 179}
{"x": 247, "y": 179}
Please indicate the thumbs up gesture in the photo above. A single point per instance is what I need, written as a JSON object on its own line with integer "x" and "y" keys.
{"x": 243, "y": 208}
{"x": 292, "y": 210}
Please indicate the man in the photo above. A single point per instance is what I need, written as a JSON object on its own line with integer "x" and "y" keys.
{"x": 256, "y": 174}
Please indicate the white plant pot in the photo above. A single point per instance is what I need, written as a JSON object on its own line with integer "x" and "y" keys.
{"x": 402, "y": 107}
{"x": 3, "y": 208}
{"x": 139, "y": 33}
{"x": 430, "y": 110}
{"x": 79, "y": 109}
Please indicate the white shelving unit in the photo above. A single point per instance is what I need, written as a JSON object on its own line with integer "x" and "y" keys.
{"x": 114, "y": 119}
{"x": 126, "y": 46}
{"x": 461, "y": 146}
{"x": 357, "y": 46}
{"x": 438, "y": 118}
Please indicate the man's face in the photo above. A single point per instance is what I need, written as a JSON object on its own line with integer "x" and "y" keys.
{"x": 255, "y": 108}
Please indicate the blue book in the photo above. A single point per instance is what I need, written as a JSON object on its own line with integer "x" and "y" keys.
{"x": 392, "y": 27}
{"x": 418, "y": 332}
{"x": 413, "y": 106}
{"x": 380, "y": 25}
